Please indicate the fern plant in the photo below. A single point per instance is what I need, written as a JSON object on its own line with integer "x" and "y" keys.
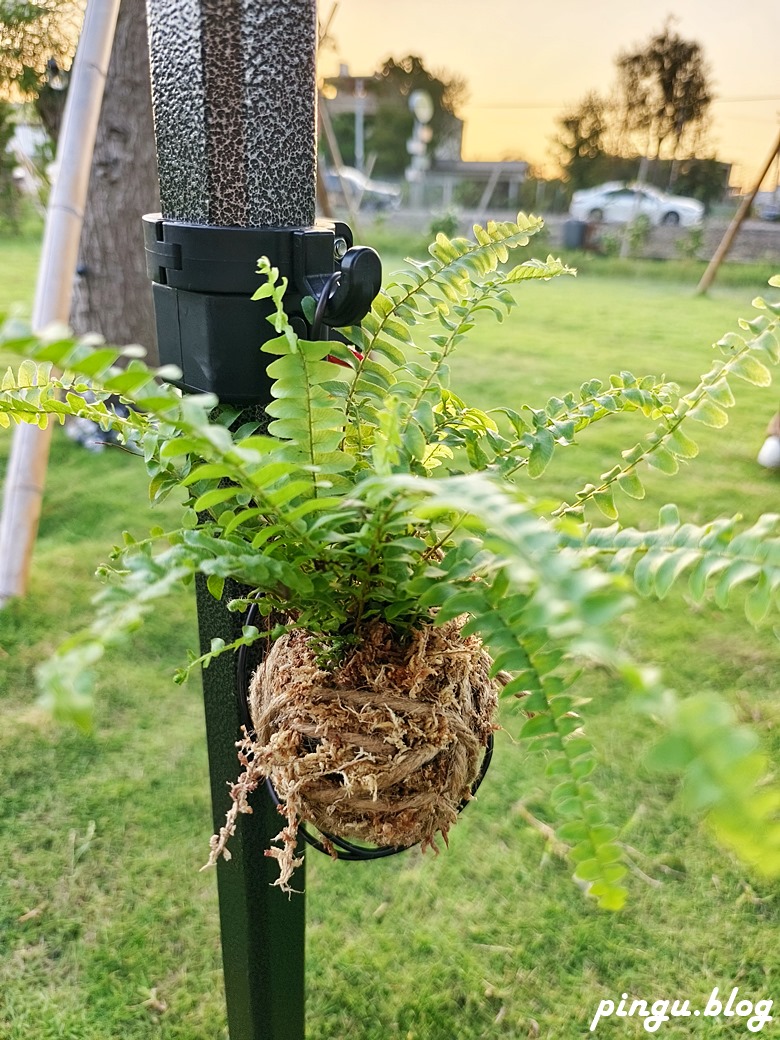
{"x": 373, "y": 491}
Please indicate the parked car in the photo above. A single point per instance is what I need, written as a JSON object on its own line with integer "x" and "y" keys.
{"x": 364, "y": 193}
{"x": 618, "y": 203}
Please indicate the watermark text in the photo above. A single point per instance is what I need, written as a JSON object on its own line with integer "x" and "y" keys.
{"x": 656, "y": 1012}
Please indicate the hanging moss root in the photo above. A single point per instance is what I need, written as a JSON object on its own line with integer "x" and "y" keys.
{"x": 382, "y": 749}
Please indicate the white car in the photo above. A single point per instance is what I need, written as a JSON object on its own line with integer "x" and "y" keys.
{"x": 618, "y": 203}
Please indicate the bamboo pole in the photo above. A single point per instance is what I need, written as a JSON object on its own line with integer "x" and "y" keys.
{"x": 29, "y": 456}
{"x": 352, "y": 203}
{"x": 731, "y": 231}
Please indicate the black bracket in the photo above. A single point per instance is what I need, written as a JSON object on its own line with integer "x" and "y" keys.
{"x": 203, "y": 280}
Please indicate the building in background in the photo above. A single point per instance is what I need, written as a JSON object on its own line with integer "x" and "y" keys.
{"x": 378, "y": 131}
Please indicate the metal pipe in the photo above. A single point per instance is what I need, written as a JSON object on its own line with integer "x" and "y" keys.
{"x": 235, "y": 105}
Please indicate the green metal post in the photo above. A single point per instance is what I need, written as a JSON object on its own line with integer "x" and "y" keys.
{"x": 262, "y": 929}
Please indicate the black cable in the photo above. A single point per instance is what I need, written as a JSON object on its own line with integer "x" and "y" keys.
{"x": 322, "y": 303}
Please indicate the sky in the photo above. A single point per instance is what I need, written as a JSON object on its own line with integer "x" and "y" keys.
{"x": 525, "y": 63}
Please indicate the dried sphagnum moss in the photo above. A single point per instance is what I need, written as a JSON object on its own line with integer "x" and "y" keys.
{"x": 384, "y": 748}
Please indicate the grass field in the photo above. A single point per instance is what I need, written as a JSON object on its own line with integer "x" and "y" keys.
{"x": 107, "y": 928}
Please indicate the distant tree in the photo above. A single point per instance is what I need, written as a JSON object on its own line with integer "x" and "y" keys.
{"x": 659, "y": 110}
{"x": 388, "y": 130}
{"x": 664, "y": 95}
{"x": 387, "y": 134}
{"x": 581, "y": 141}
{"x": 9, "y": 193}
{"x": 112, "y": 294}
{"x": 703, "y": 179}
{"x": 37, "y": 42}
{"x": 344, "y": 129}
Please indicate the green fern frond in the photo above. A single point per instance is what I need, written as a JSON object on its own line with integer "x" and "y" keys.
{"x": 499, "y": 613}
{"x": 333, "y": 517}
{"x": 565, "y": 599}
{"x": 718, "y": 556}
{"x": 539, "y": 431}
{"x": 725, "y": 778}
{"x": 435, "y": 286}
{"x": 708, "y": 403}
{"x": 309, "y": 419}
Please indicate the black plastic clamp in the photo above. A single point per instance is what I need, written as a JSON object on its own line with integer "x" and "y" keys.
{"x": 203, "y": 280}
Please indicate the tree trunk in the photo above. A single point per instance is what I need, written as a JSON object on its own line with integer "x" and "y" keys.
{"x": 112, "y": 293}
{"x": 50, "y": 106}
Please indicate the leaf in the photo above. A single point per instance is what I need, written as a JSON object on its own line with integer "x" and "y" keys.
{"x": 215, "y": 585}
{"x": 682, "y": 445}
{"x": 609, "y": 897}
{"x": 668, "y": 569}
{"x": 606, "y": 503}
{"x": 724, "y": 776}
{"x": 538, "y": 726}
{"x": 671, "y": 754}
{"x": 573, "y": 830}
{"x": 589, "y": 870}
{"x": 751, "y": 370}
{"x": 768, "y": 344}
{"x": 97, "y": 363}
{"x": 709, "y": 413}
{"x": 178, "y": 446}
{"x": 541, "y": 452}
{"x": 708, "y": 566}
{"x": 736, "y": 573}
{"x": 630, "y": 483}
{"x": 212, "y": 498}
{"x": 27, "y": 374}
{"x": 662, "y": 459}
{"x": 758, "y": 601}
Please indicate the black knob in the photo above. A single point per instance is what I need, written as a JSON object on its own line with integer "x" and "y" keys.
{"x": 361, "y": 280}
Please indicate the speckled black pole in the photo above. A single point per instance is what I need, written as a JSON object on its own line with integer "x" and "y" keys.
{"x": 234, "y": 92}
{"x": 233, "y": 87}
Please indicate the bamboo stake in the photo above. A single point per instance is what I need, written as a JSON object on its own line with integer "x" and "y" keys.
{"x": 335, "y": 154}
{"x": 731, "y": 231}
{"x": 29, "y": 456}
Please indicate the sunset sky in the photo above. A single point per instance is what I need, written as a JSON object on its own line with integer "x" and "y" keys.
{"x": 524, "y": 63}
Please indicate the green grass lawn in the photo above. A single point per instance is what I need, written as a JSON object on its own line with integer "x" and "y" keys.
{"x": 18, "y": 270}
{"x": 107, "y": 928}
